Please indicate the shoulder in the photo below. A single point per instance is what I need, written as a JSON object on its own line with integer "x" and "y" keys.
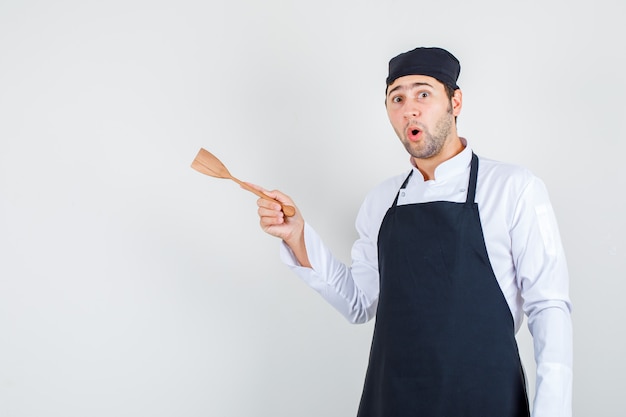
{"x": 498, "y": 174}
{"x": 506, "y": 188}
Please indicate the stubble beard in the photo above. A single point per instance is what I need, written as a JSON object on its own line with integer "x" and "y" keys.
{"x": 431, "y": 143}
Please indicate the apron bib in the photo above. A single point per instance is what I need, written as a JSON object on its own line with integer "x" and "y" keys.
{"x": 444, "y": 339}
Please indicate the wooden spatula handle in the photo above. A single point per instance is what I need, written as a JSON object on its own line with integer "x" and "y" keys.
{"x": 288, "y": 210}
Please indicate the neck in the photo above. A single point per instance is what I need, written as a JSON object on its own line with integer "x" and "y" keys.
{"x": 427, "y": 166}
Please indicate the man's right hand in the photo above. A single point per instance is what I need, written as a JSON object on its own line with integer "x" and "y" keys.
{"x": 274, "y": 222}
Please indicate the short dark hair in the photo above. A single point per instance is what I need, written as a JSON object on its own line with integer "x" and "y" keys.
{"x": 450, "y": 93}
{"x": 449, "y": 90}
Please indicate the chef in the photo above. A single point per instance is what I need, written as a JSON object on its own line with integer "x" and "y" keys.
{"x": 451, "y": 255}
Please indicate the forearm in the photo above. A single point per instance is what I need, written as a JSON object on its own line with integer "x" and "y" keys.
{"x": 353, "y": 291}
{"x": 551, "y": 329}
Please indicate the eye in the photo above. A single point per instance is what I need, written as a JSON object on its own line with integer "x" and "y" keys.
{"x": 423, "y": 94}
{"x": 396, "y": 99}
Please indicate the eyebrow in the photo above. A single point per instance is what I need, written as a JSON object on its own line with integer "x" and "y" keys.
{"x": 404, "y": 87}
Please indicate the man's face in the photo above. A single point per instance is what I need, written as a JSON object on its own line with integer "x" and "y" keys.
{"x": 421, "y": 114}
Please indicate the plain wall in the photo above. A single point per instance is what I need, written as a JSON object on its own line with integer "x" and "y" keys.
{"x": 131, "y": 285}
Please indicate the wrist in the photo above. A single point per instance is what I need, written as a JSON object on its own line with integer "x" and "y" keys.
{"x": 298, "y": 247}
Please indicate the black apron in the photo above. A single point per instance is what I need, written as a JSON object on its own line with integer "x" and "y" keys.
{"x": 444, "y": 340}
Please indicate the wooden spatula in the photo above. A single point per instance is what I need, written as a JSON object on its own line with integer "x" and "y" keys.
{"x": 208, "y": 164}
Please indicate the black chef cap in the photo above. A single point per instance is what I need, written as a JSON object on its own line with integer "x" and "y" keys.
{"x": 434, "y": 62}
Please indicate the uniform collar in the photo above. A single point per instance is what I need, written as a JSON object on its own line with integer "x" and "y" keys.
{"x": 450, "y": 168}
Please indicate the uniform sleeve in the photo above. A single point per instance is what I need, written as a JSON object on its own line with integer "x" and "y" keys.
{"x": 543, "y": 278}
{"x": 353, "y": 291}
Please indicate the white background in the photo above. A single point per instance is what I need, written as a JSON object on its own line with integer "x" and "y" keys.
{"x": 131, "y": 285}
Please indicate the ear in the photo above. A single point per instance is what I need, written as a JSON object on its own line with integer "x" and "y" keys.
{"x": 457, "y": 102}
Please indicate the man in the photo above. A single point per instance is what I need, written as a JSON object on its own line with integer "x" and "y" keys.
{"x": 449, "y": 258}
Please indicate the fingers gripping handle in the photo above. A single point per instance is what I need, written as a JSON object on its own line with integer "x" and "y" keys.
{"x": 288, "y": 210}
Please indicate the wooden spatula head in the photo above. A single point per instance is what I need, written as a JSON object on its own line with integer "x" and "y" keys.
{"x": 207, "y": 163}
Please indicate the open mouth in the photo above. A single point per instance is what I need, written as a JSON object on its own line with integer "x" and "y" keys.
{"x": 413, "y": 133}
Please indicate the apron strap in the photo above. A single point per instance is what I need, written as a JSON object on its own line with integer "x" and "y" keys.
{"x": 406, "y": 181}
{"x": 471, "y": 191}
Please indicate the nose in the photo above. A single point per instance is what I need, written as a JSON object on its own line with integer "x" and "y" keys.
{"x": 411, "y": 111}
